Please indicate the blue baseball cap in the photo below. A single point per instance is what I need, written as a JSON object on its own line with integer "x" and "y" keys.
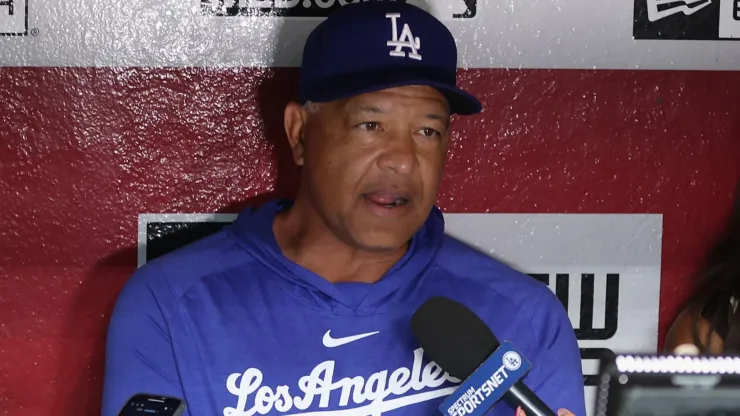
{"x": 374, "y": 45}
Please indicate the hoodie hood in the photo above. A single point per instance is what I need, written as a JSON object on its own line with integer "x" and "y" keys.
{"x": 253, "y": 231}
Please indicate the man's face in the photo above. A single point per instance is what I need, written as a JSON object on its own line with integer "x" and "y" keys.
{"x": 372, "y": 163}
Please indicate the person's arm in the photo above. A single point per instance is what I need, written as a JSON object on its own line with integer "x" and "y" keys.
{"x": 556, "y": 375}
{"x": 139, "y": 355}
{"x": 682, "y": 332}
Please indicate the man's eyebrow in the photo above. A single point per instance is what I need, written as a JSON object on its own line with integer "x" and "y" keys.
{"x": 374, "y": 109}
{"x": 444, "y": 118}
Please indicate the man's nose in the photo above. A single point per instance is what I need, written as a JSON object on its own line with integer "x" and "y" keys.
{"x": 400, "y": 154}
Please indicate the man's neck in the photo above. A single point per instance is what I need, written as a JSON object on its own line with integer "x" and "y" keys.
{"x": 305, "y": 239}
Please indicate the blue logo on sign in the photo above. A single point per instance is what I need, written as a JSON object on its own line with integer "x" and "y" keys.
{"x": 488, "y": 383}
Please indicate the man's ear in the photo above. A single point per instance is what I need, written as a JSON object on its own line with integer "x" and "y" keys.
{"x": 295, "y": 119}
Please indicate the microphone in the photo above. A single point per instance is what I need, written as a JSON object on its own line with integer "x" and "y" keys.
{"x": 462, "y": 344}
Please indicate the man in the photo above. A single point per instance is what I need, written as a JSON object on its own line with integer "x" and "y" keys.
{"x": 304, "y": 306}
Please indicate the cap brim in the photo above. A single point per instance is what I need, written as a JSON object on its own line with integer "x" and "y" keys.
{"x": 460, "y": 101}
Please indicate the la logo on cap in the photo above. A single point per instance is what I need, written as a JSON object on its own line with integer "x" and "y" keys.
{"x": 406, "y": 40}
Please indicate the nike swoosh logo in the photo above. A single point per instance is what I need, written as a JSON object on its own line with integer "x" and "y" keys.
{"x": 330, "y": 342}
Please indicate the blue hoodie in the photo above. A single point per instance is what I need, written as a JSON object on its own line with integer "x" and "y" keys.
{"x": 235, "y": 328}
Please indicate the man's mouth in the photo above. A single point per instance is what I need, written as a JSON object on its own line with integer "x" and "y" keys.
{"x": 387, "y": 199}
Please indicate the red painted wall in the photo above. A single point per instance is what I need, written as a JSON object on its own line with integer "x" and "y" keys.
{"x": 84, "y": 151}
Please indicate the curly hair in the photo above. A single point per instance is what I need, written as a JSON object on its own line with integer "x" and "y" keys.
{"x": 716, "y": 298}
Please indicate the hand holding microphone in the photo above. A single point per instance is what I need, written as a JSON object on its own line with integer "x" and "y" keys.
{"x": 463, "y": 345}
{"x": 561, "y": 412}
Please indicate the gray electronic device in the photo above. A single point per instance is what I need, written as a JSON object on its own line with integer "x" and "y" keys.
{"x": 143, "y": 404}
{"x": 667, "y": 385}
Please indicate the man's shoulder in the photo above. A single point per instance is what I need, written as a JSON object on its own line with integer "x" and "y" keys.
{"x": 516, "y": 306}
{"x": 472, "y": 267}
{"x": 180, "y": 269}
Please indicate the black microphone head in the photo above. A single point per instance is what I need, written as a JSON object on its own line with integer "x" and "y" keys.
{"x": 453, "y": 336}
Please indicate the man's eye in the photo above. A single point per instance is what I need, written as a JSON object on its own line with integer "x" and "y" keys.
{"x": 371, "y": 125}
{"x": 429, "y": 132}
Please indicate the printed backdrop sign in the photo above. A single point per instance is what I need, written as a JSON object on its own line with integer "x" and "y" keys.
{"x": 445, "y": 9}
{"x": 604, "y": 268}
{"x": 13, "y": 18}
{"x": 581, "y": 34}
{"x": 687, "y": 19}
